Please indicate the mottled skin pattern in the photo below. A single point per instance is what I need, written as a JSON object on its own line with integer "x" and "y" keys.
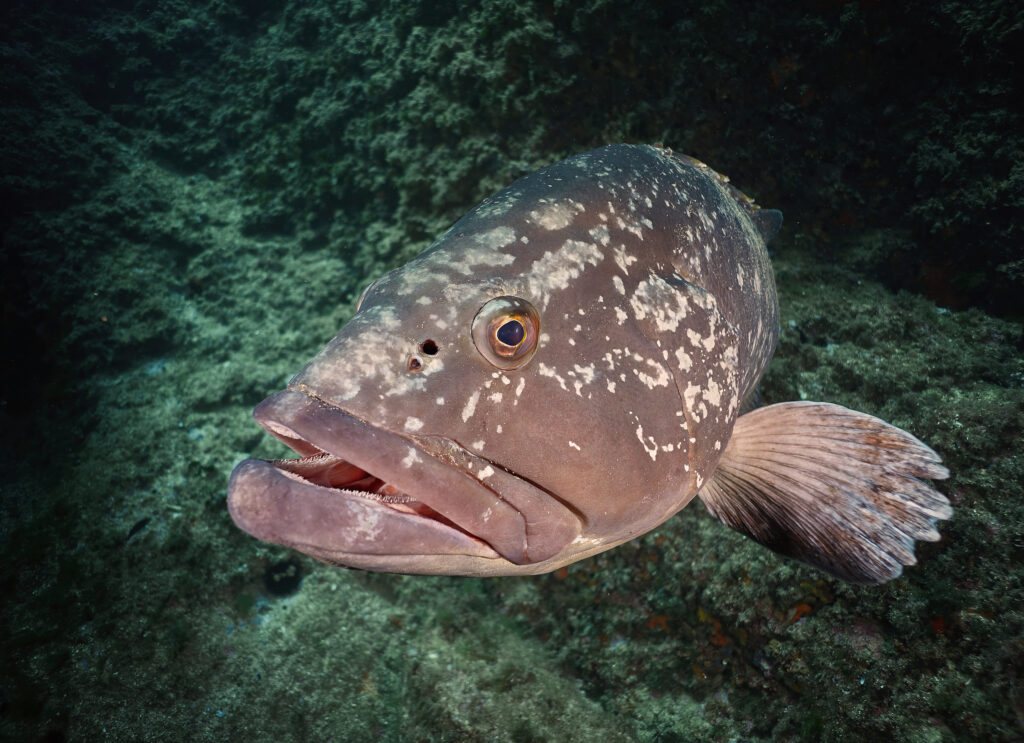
{"x": 658, "y": 315}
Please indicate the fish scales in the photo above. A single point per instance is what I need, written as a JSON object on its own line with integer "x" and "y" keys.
{"x": 561, "y": 371}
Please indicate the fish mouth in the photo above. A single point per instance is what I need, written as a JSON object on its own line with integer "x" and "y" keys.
{"x": 364, "y": 496}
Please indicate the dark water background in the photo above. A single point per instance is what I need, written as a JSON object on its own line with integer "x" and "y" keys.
{"x": 192, "y": 195}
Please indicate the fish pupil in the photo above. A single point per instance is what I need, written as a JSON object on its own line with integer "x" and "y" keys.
{"x": 511, "y": 333}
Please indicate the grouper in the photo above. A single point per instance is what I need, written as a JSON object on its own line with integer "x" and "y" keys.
{"x": 564, "y": 369}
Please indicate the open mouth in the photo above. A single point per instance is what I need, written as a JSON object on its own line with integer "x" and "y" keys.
{"x": 361, "y": 495}
{"x": 329, "y": 471}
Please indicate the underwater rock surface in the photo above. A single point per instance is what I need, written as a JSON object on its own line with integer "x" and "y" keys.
{"x": 193, "y": 199}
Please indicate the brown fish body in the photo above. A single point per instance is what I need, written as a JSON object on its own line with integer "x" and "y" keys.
{"x": 559, "y": 373}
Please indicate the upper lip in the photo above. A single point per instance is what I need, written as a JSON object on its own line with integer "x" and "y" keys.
{"x": 513, "y": 519}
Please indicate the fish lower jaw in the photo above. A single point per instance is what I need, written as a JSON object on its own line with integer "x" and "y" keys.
{"x": 343, "y": 526}
{"x": 332, "y": 473}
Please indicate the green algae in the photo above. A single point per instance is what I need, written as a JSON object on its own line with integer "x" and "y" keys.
{"x": 197, "y": 196}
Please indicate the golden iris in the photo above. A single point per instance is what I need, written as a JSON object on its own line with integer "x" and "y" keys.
{"x": 505, "y": 331}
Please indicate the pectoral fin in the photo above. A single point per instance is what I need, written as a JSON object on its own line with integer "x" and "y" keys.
{"x": 832, "y": 487}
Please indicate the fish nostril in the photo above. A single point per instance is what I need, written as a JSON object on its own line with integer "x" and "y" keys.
{"x": 415, "y": 363}
{"x": 429, "y": 347}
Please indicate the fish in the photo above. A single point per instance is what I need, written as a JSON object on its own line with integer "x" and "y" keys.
{"x": 564, "y": 369}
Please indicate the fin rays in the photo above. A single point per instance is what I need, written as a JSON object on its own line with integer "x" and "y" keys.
{"x": 829, "y": 486}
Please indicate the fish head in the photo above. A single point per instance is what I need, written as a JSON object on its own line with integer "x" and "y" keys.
{"x": 506, "y": 403}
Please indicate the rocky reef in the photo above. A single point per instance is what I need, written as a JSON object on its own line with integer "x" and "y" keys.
{"x": 193, "y": 197}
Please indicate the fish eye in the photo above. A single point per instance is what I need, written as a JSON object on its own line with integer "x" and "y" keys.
{"x": 505, "y": 331}
{"x": 511, "y": 333}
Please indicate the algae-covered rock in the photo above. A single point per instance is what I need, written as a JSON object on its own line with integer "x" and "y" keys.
{"x": 194, "y": 196}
